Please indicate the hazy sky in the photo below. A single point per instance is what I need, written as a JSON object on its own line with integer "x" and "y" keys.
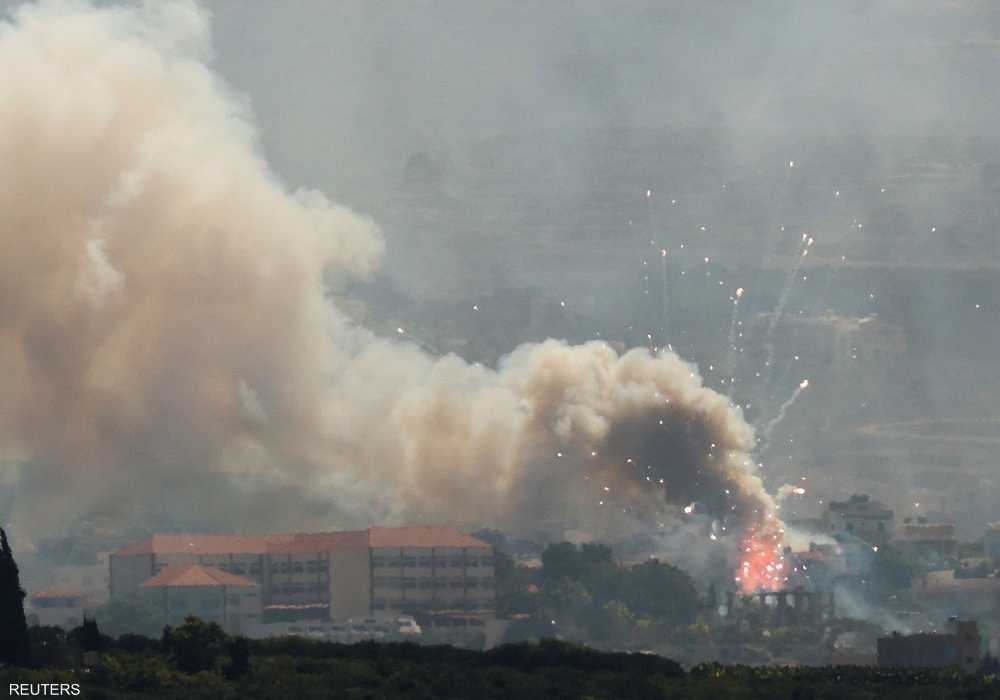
{"x": 354, "y": 87}
{"x": 343, "y": 93}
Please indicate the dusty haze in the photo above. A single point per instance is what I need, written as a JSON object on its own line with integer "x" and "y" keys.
{"x": 171, "y": 344}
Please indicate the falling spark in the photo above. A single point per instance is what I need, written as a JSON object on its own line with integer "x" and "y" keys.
{"x": 779, "y": 308}
{"x": 664, "y": 292}
{"x": 731, "y": 339}
{"x": 776, "y": 421}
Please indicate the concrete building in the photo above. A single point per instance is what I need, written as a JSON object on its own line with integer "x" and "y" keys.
{"x": 861, "y": 517}
{"x": 209, "y": 593}
{"x": 90, "y": 580}
{"x": 959, "y": 647}
{"x": 334, "y": 576}
{"x": 60, "y": 607}
{"x": 780, "y": 608}
{"x": 925, "y": 541}
{"x": 969, "y": 597}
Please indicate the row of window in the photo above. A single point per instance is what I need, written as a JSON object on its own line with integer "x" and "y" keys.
{"x": 296, "y": 588}
{"x": 417, "y": 605}
{"x": 407, "y": 582}
{"x": 55, "y": 602}
{"x": 313, "y": 566}
{"x": 206, "y": 603}
{"x": 450, "y": 622}
{"x": 252, "y": 570}
{"x": 431, "y": 562}
{"x": 240, "y": 569}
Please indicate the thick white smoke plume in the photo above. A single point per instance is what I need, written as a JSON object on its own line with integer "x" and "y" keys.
{"x": 167, "y": 338}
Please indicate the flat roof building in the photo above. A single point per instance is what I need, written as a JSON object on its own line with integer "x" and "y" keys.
{"x": 960, "y": 647}
{"x": 859, "y": 516}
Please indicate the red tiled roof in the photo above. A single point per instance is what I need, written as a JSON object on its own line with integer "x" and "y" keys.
{"x": 55, "y": 593}
{"x": 203, "y": 544}
{"x": 319, "y": 542}
{"x": 207, "y": 544}
{"x": 421, "y": 536}
{"x": 195, "y": 575}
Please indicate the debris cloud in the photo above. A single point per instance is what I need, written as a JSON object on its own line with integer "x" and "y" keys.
{"x": 167, "y": 329}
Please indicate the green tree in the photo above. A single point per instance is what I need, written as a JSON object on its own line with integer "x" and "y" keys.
{"x": 591, "y": 564}
{"x": 49, "y": 648}
{"x": 195, "y": 645}
{"x": 619, "y": 621}
{"x": 662, "y": 592}
{"x": 15, "y": 644}
{"x": 239, "y": 658}
{"x": 88, "y": 636}
{"x": 561, "y": 560}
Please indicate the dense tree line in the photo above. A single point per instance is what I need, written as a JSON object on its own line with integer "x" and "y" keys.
{"x": 582, "y": 593}
{"x": 197, "y": 660}
{"x": 15, "y": 645}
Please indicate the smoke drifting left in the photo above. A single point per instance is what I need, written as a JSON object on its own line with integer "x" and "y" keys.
{"x": 168, "y": 345}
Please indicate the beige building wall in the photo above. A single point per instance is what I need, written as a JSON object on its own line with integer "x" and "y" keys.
{"x": 232, "y": 607}
{"x": 350, "y": 583}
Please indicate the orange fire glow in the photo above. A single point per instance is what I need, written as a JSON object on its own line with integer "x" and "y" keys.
{"x": 762, "y": 562}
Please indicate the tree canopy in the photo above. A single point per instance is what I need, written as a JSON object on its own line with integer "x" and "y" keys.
{"x": 15, "y": 644}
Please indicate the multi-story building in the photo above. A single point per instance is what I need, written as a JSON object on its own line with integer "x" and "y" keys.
{"x": 336, "y": 575}
{"x": 972, "y": 597}
{"x": 212, "y": 594}
{"x": 90, "y": 580}
{"x": 925, "y": 541}
{"x": 59, "y": 608}
{"x": 861, "y": 517}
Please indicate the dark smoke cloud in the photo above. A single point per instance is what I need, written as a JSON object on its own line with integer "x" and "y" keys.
{"x": 168, "y": 342}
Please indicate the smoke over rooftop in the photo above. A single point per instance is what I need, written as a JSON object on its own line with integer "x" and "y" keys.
{"x": 168, "y": 339}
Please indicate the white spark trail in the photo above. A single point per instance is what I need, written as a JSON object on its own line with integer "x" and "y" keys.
{"x": 777, "y": 420}
{"x": 731, "y": 338}
{"x": 779, "y": 308}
